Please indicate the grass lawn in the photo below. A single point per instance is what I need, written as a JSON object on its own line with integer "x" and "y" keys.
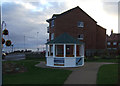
{"x": 103, "y": 60}
{"x": 36, "y": 75}
{"x": 108, "y": 74}
{"x": 36, "y": 59}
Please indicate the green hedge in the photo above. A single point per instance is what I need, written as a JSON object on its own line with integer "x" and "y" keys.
{"x": 35, "y": 56}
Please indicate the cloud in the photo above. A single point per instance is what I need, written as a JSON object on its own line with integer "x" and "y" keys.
{"x": 28, "y": 18}
{"x": 111, "y": 0}
{"x": 111, "y": 8}
{"x": 23, "y": 21}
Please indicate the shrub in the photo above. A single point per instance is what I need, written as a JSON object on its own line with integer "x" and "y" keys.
{"x": 35, "y": 55}
{"x": 118, "y": 57}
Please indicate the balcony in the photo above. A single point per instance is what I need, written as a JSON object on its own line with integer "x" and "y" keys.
{"x": 47, "y": 29}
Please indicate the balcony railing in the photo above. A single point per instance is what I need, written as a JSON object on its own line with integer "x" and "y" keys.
{"x": 47, "y": 29}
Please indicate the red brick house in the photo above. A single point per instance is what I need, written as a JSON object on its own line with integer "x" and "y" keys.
{"x": 80, "y": 26}
{"x": 71, "y": 34}
{"x": 113, "y": 43}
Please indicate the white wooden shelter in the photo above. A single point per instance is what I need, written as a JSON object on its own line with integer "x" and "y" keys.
{"x": 64, "y": 51}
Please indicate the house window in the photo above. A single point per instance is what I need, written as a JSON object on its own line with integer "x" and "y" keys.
{"x": 52, "y": 36}
{"x": 114, "y": 43}
{"x": 108, "y": 43}
{"x": 52, "y": 23}
{"x": 81, "y": 36}
{"x": 119, "y": 43}
{"x": 80, "y": 24}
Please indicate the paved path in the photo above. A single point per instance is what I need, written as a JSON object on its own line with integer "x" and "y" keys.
{"x": 86, "y": 74}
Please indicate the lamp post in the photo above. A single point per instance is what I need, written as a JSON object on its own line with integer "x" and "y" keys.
{"x": 1, "y": 28}
{"x": 3, "y": 22}
{"x": 1, "y": 56}
{"x": 24, "y": 42}
{"x": 12, "y": 47}
{"x": 37, "y": 42}
{"x": 2, "y": 41}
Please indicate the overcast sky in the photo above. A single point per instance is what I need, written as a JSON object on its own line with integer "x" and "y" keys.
{"x": 27, "y": 17}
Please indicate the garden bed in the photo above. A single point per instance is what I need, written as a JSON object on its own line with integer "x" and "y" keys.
{"x": 12, "y": 68}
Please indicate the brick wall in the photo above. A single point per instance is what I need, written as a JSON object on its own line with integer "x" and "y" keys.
{"x": 94, "y": 35}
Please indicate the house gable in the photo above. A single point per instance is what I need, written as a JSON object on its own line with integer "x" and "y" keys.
{"x": 55, "y": 16}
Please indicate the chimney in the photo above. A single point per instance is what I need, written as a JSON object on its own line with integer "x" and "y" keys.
{"x": 111, "y": 31}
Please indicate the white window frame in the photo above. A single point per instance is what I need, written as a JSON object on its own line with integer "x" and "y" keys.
{"x": 81, "y": 37}
{"x": 114, "y": 43}
{"x": 52, "y": 23}
{"x": 52, "y": 36}
{"x": 108, "y": 43}
{"x": 80, "y": 24}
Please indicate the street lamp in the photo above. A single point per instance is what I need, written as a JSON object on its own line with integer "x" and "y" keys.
{"x": 12, "y": 47}
{"x": 1, "y": 55}
{"x": 24, "y": 42}
{"x": 37, "y": 42}
{"x": 2, "y": 41}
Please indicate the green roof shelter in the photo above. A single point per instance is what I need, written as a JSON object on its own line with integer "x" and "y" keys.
{"x": 65, "y": 51}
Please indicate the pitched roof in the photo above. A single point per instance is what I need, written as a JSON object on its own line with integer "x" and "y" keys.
{"x": 64, "y": 38}
{"x": 101, "y": 27}
{"x": 57, "y": 15}
{"x": 114, "y": 37}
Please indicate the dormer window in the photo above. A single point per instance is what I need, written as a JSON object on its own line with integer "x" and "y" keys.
{"x": 52, "y": 23}
{"x": 80, "y": 24}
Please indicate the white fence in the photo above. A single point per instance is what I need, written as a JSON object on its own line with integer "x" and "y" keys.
{"x": 65, "y": 61}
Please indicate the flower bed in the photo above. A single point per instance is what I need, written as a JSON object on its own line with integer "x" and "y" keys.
{"x": 11, "y": 68}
